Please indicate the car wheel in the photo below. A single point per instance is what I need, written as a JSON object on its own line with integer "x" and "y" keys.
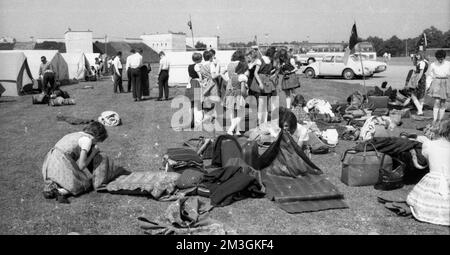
{"x": 309, "y": 72}
{"x": 310, "y": 60}
{"x": 348, "y": 74}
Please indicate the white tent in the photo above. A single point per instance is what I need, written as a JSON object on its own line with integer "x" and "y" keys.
{"x": 53, "y": 56}
{"x": 91, "y": 58}
{"x": 14, "y": 73}
{"x": 179, "y": 62}
{"x": 34, "y": 59}
{"x": 77, "y": 64}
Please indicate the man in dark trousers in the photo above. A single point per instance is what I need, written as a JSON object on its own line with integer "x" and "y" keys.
{"x": 135, "y": 64}
{"x": 163, "y": 78}
{"x": 47, "y": 75}
{"x": 117, "y": 65}
{"x": 127, "y": 68}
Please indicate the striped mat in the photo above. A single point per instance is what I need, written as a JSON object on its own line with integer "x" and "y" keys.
{"x": 308, "y": 193}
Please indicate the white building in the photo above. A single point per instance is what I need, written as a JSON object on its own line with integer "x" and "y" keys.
{"x": 211, "y": 42}
{"x": 78, "y": 41}
{"x": 133, "y": 40}
{"x": 165, "y": 42}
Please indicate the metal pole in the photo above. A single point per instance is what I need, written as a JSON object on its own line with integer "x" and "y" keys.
{"x": 406, "y": 48}
{"x": 362, "y": 68}
{"x": 192, "y": 32}
{"x": 106, "y": 41}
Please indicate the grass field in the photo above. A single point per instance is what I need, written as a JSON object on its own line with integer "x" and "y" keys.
{"x": 28, "y": 131}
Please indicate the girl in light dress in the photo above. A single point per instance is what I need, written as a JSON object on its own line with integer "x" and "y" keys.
{"x": 209, "y": 90}
{"x": 430, "y": 198}
{"x": 437, "y": 82}
{"x": 65, "y": 169}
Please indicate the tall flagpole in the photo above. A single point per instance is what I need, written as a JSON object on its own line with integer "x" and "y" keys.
{"x": 192, "y": 31}
{"x": 362, "y": 68}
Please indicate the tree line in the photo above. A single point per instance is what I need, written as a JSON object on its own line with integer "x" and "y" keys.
{"x": 394, "y": 45}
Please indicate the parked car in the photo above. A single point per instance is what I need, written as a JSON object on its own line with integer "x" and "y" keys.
{"x": 333, "y": 65}
{"x": 373, "y": 65}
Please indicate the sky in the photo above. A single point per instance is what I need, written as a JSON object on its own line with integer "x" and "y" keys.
{"x": 232, "y": 20}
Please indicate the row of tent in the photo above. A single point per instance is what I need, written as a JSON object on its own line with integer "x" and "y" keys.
{"x": 18, "y": 68}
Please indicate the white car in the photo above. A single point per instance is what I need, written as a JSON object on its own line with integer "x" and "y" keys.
{"x": 373, "y": 65}
{"x": 332, "y": 65}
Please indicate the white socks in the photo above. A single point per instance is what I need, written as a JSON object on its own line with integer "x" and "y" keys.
{"x": 441, "y": 114}
{"x": 435, "y": 114}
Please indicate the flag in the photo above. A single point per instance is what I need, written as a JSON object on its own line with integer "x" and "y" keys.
{"x": 422, "y": 43}
{"x": 353, "y": 38}
{"x": 189, "y": 24}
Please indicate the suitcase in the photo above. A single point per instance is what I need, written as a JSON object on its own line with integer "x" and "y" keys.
{"x": 362, "y": 168}
{"x": 40, "y": 99}
{"x": 229, "y": 150}
{"x": 250, "y": 153}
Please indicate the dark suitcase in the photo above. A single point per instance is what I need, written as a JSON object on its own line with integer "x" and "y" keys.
{"x": 229, "y": 150}
{"x": 40, "y": 99}
{"x": 250, "y": 153}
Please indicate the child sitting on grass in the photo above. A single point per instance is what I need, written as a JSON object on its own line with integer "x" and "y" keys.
{"x": 430, "y": 198}
{"x": 299, "y": 109}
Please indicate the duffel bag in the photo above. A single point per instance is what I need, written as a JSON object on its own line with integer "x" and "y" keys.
{"x": 40, "y": 99}
{"x": 362, "y": 168}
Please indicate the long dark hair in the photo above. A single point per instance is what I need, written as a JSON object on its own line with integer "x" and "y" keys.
{"x": 289, "y": 118}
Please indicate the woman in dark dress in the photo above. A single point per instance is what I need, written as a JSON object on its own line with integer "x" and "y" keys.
{"x": 145, "y": 70}
{"x": 288, "y": 79}
{"x": 263, "y": 82}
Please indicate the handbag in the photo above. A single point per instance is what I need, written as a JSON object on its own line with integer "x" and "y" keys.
{"x": 390, "y": 179}
{"x": 362, "y": 168}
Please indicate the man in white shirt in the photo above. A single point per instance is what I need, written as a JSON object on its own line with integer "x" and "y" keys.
{"x": 163, "y": 78}
{"x": 117, "y": 67}
{"x": 134, "y": 64}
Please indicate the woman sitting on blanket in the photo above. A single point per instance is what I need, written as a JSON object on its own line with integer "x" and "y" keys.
{"x": 430, "y": 199}
{"x": 65, "y": 166}
{"x": 288, "y": 122}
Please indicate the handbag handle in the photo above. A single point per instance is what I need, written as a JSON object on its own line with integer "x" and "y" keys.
{"x": 375, "y": 149}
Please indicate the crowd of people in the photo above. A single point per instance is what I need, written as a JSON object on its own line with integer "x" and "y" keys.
{"x": 432, "y": 79}
{"x": 251, "y": 73}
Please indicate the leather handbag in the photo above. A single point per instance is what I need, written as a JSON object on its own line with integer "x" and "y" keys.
{"x": 390, "y": 179}
{"x": 362, "y": 168}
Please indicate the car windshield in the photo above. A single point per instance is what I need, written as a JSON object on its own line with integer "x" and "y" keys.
{"x": 356, "y": 57}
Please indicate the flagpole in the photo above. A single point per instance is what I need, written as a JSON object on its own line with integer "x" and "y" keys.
{"x": 362, "y": 68}
{"x": 192, "y": 32}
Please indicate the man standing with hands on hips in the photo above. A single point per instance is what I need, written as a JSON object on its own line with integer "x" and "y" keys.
{"x": 163, "y": 78}
{"x": 134, "y": 64}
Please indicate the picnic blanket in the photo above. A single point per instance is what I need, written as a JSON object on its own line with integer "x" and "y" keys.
{"x": 158, "y": 184}
{"x": 307, "y": 193}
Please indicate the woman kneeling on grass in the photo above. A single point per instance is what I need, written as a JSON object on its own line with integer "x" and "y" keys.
{"x": 65, "y": 166}
{"x": 430, "y": 198}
